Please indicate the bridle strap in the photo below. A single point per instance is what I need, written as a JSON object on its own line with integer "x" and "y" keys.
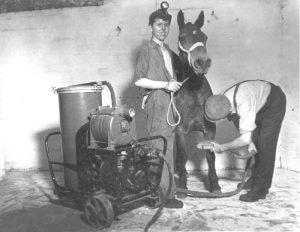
{"x": 194, "y": 46}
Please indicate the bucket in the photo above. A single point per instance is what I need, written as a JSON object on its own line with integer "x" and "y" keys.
{"x": 75, "y": 106}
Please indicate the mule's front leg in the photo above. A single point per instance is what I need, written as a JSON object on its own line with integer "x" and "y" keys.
{"x": 209, "y": 133}
{"x": 212, "y": 174}
{"x": 181, "y": 159}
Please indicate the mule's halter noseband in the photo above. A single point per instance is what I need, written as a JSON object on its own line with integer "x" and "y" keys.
{"x": 194, "y": 46}
{"x": 172, "y": 104}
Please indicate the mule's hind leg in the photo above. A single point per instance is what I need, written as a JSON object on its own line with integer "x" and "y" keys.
{"x": 181, "y": 159}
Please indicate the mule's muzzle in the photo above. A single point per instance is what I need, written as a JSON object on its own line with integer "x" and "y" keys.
{"x": 199, "y": 60}
{"x": 202, "y": 65}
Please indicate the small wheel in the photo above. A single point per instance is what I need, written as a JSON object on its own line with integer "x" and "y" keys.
{"x": 99, "y": 211}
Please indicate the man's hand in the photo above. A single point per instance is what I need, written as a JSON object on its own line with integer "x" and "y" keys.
{"x": 211, "y": 146}
{"x": 217, "y": 148}
{"x": 205, "y": 145}
{"x": 173, "y": 86}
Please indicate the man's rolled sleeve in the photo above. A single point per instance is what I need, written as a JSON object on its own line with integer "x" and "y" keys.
{"x": 141, "y": 68}
{"x": 247, "y": 120}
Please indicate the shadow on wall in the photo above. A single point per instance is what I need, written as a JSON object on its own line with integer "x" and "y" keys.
{"x": 55, "y": 148}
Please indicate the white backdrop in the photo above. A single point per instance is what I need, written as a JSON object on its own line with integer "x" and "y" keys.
{"x": 54, "y": 48}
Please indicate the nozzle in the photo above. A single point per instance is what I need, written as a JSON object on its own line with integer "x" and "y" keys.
{"x": 205, "y": 145}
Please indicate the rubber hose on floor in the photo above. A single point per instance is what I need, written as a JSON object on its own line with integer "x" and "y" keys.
{"x": 192, "y": 193}
{"x": 157, "y": 214}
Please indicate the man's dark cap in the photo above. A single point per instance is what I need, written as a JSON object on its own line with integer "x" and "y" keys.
{"x": 161, "y": 13}
{"x": 216, "y": 107}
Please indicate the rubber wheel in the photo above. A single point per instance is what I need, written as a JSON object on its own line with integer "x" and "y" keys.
{"x": 99, "y": 212}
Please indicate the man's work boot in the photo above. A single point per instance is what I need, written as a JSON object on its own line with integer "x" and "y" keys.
{"x": 174, "y": 204}
{"x": 181, "y": 194}
{"x": 253, "y": 195}
{"x": 248, "y": 184}
{"x": 182, "y": 180}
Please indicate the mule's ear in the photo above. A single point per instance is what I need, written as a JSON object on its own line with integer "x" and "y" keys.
{"x": 180, "y": 19}
{"x": 200, "y": 20}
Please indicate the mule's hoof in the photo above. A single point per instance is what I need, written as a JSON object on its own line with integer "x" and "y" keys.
{"x": 217, "y": 191}
{"x": 174, "y": 204}
{"x": 181, "y": 195}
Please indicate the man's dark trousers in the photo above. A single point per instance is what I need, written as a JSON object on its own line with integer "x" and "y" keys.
{"x": 265, "y": 137}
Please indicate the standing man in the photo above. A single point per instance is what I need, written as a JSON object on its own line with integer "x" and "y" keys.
{"x": 257, "y": 109}
{"x": 154, "y": 74}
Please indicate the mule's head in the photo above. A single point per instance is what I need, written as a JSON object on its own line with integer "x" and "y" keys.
{"x": 192, "y": 44}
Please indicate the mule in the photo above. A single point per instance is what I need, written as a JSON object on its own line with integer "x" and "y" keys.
{"x": 193, "y": 64}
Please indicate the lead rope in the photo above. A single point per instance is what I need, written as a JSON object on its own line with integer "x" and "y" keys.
{"x": 172, "y": 105}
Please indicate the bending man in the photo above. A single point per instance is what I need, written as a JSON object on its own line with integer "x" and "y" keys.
{"x": 257, "y": 108}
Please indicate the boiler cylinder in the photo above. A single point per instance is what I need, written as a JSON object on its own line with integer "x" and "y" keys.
{"x": 75, "y": 105}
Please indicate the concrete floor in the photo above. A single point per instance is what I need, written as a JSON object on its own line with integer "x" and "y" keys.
{"x": 25, "y": 207}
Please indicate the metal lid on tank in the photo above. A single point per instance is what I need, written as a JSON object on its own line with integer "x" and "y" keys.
{"x": 80, "y": 88}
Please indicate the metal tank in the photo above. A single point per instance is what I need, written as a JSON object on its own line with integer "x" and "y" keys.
{"x": 75, "y": 105}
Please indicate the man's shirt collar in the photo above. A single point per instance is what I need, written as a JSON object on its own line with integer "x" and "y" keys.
{"x": 160, "y": 43}
{"x": 155, "y": 43}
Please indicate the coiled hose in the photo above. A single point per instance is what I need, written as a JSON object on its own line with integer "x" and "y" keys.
{"x": 226, "y": 194}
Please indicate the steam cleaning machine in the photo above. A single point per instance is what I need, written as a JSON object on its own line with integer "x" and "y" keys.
{"x": 107, "y": 170}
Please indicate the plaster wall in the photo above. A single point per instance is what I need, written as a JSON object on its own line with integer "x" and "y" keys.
{"x": 57, "y": 48}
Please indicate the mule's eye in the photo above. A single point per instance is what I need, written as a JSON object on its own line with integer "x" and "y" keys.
{"x": 194, "y": 32}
